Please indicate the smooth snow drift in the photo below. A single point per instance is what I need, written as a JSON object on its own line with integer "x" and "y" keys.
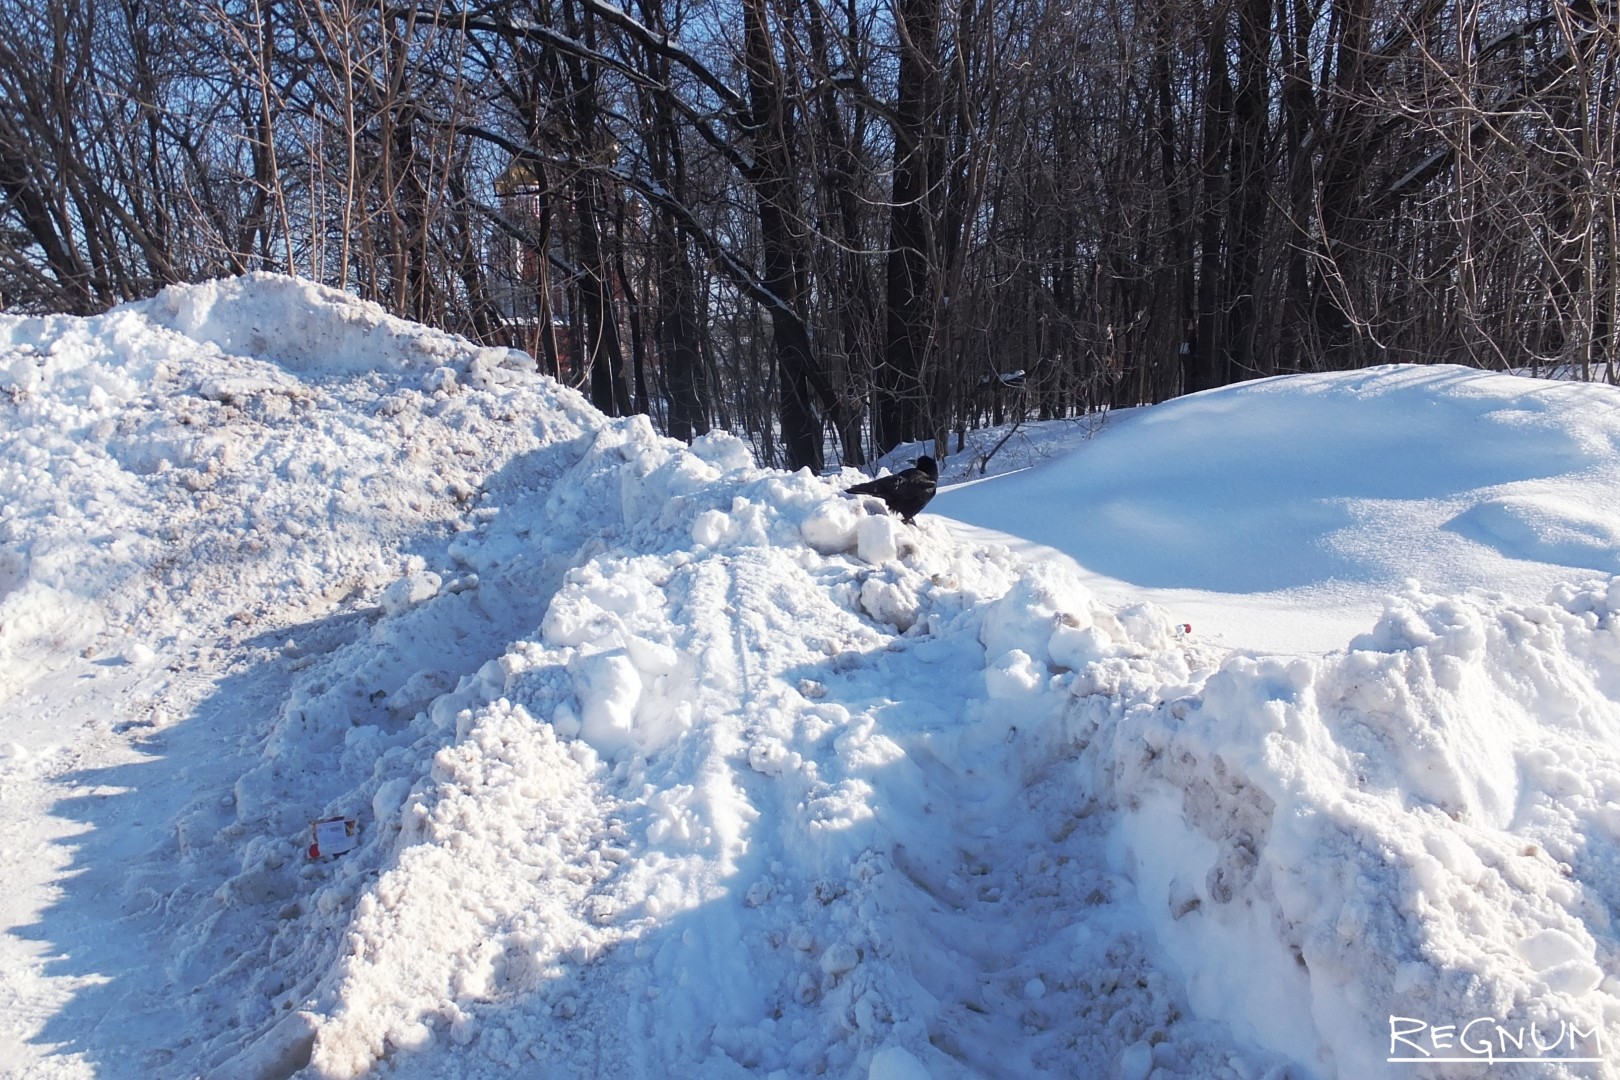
{"x": 1278, "y": 514}
{"x": 665, "y": 765}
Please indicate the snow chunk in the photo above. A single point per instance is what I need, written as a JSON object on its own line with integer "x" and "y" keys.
{"x": 1136, "y": 1062}
{"x": 1563, "y": 962}
{"x": 831, "y": 527}
{"x": 1014, "y": 677}
{"x": 138, "y": 652}
{"x": 607, "y": 686}
{"x": 1072, "y": 647}
{"x": 416, "y": 693}
{"x": 880, "y": 538}
{"x": 594, "y": 604}
{"x": 389, "y": 798}
{"x": 408, "y": 591}
{"x": 1044, "y": 598}
{"x": 499, "y": 367}
{"x": 281, "y": 1051}
{"x": 890, "y": 601}
{"x": 712, "y": 529}
{"x": 651, "y": 658}
{"x": 896, "y": 1063}
{"x": 840, "y": 959}
{"x": 725, "y": 451}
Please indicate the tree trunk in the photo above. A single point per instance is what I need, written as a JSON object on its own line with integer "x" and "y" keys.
{"x": 781, "y": 236}
{"x": 900, "y": 382}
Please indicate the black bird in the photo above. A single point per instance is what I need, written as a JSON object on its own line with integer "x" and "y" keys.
{"x": 905, "y": 492}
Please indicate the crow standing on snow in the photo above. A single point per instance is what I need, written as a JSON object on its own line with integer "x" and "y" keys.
{"x": 905, "y": 492}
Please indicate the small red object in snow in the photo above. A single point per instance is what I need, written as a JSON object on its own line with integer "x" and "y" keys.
{"x": 1186, "y": 628}
{"x": 334, "y": 836}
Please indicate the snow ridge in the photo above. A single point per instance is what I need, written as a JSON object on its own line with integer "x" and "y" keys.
{"x": 800, "y": 814}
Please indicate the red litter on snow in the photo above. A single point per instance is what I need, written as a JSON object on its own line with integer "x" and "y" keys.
{"x": 334, "y": 836}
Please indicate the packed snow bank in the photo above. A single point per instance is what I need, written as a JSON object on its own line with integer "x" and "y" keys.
{"x": 662, "y": 764}
{"x": 1423, "y": 827}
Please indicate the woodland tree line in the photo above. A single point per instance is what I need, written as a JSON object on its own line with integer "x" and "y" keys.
{"x": 840, "y": 225}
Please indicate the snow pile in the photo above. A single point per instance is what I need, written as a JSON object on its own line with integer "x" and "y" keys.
{"x": 1423, "y": 827}
{"x": 149, "y": 482}
{"x": 745, "y": 800}
{"x": 1279, "y": 513}
{"x": 663, "y": 764}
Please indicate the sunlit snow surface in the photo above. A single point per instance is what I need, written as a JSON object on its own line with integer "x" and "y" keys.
{"x": 1278, "y": 514}
{"x": 665, "y": 765}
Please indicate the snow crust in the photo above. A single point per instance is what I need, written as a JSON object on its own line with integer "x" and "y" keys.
{"x": 667, "y": 765}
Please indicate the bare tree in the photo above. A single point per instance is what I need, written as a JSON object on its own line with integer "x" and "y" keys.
{"x": 842, "y": 225}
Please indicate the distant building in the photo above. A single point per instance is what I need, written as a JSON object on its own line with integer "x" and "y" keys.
{"x": 529, "y": 293}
